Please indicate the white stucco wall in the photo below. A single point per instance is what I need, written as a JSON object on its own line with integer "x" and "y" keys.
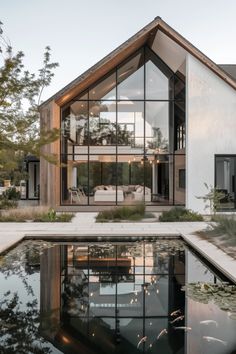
{"x": 210, "y": 127}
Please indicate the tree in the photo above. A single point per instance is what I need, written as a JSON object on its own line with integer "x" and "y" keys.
{"x": 20, "y": 96}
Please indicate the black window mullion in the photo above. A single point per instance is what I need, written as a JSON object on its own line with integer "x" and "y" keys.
{"x": 144, "y": 122}
{"x": 88, "y": 159}
{"x": 117, "y": 178}
{"x": 234, "y": 182}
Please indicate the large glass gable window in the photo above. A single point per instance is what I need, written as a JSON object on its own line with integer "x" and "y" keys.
{"x": 120, "y": 137}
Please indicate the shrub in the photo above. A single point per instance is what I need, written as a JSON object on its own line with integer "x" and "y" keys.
{"x": 180, "y": 214}
{"x": 222, "y": 233}
{"x": 212, "y": 199}
{"x": 134, "y": 212}
{"x": 8, "y": 204}
{"x": 8, "y": 199}
{"x": 52, "y": 216}
{"x": 11, "y": 194}
{"x": 224, "y": 228}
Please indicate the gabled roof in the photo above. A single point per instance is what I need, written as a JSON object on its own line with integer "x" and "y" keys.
{"x": 145, "y": 36}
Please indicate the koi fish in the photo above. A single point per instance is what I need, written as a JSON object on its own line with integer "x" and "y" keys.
{"x": 175, "y": 313}
{"x": 180, "y": 318}
{"x": 164, "y": 331}
{"x": 141, "y": 341}
{"x": 184, "y": 328}
{"x": 213, "y": 339}
{"x": 207, "y": 322}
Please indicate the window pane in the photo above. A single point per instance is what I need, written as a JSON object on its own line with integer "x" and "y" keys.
{"x": 159, "y": 178}
{"x": 131, "y": 79}
{"x": 82, "y": 97}
{"x": 225, "y": 181}
{"x": 104, "y": 90}
{"x": 158, "y": 85}
{"x": 179, "y": 126}
{"x": 130, "y": 178}
{"x": 102, "y": 180}
{"x": 179, "y": 179}
{"x": 75, "y": 123}
{"x": 130, "y": 124}
{"x": 179, "y": 82}
{"x": 75, "y": 180}
{"x": 157, "y": 126}
{"x": 102, "y": 122}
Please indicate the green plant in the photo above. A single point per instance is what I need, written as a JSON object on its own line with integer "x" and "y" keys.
{"x": 134, "y": 212}
{"x": 52, "y": 215}
{"x": 212, "y": 198}
{"x": 180, "y": 214}
{"x": 222, "y": 230}
{"x": 11, "y": 194}
{"x": 8, "y": 199}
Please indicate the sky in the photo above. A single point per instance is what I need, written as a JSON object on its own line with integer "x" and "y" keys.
{"x": 80, "y": 32}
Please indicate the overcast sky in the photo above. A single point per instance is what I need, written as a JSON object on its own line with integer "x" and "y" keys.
{"x": 82, "y": 32}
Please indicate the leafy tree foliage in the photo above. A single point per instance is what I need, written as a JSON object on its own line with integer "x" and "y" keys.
{"x": 19, "y": 330}
{"x": 20, "y": 96}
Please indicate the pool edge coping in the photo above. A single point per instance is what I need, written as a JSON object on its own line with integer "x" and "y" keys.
{"x": 193, "y": 240}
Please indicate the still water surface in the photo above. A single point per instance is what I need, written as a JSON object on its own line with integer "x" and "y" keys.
{"x": 152, "y": 297}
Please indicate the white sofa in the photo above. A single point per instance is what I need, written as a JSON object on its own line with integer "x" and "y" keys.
{"x": 138, "y": 194}
{"x": 108, "y": 195}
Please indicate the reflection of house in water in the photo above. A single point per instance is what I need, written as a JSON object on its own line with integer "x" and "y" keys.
{"x": 104, "y": 299}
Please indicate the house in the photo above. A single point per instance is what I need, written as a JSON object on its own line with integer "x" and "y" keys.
{"x": 153, "y": 121}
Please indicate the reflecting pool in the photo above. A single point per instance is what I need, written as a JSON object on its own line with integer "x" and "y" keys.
{"x": 124, "y": 297}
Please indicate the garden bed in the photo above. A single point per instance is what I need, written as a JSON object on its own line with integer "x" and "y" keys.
{"x": 34, "y": 214}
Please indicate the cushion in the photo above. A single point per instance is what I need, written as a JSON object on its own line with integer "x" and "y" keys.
{"x": 98, "y": 188}
{"x": 108, "y": 188}
{"x": 147, "y": 190}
